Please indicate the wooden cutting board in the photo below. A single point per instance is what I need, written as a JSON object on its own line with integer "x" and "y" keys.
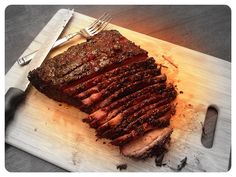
{"x": 54, "y": 131}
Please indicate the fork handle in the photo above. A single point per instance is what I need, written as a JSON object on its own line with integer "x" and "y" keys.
{"x": 64, "y": 39}
{"x": 26, "y": 59}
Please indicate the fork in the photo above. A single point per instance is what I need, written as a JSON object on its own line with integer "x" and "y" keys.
{"x": 87, "y": 32}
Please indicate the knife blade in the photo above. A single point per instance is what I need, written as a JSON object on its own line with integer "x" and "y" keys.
{"x": 16, "y": 92}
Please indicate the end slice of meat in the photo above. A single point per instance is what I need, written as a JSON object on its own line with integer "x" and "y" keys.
{"x": 145, "y": 145}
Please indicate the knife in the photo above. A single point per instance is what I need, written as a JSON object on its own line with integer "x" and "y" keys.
{"x": 17, "y": 92}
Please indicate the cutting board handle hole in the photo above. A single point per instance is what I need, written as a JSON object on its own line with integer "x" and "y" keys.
{"x": 208, "y": 127}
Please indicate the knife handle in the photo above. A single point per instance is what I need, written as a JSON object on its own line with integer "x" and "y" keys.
{"x": 13, "y": 98}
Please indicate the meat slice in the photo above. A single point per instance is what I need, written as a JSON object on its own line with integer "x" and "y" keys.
{"x": 167, "y": 97}
{"x": 123, "y": 78}
{"x": 114, "y": 87}
{"x": 142, "y": 129}
{"x": 119, "y": 121}
{"x": 80, "y": 87}
{"x": 103, "y": 112}
{"x": 119, "y": 90}
{"x": 153, "y": 111}
{"x": 126, "y": 106}
{"x": 148, "y": 144}
{"x": 115, "y": 116}
{"x": 130, "y": 88}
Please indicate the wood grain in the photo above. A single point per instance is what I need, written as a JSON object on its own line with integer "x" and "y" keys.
{"x": 197, "y": 76}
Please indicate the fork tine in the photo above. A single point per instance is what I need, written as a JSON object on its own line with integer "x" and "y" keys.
{"x": 101, "y": 23}
{"x": 107, "y": 22}
{"x": 102, "y": 26}
{"x": 97, "y": 23}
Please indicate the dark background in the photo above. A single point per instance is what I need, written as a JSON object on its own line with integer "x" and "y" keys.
{"x": 202, "y": 28}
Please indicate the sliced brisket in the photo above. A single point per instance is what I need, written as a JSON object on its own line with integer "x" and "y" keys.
{"x": 79, "y": 87}
{"x": 155, "y": 122}
{"x": 106, "y": 111}
{"x": 107, "y": 49}
{"x": 124, "y": 91}
{"x": 120, "y": 121}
